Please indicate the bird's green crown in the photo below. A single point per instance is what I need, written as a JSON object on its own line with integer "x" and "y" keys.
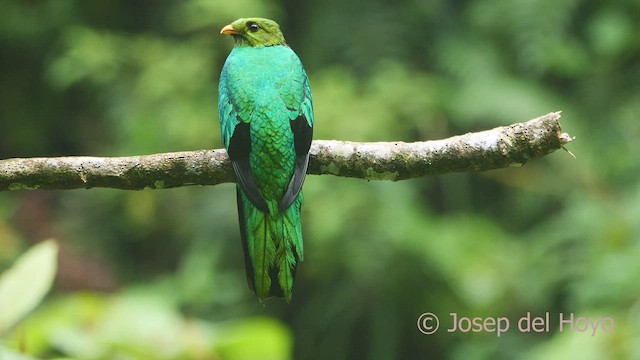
{"x": 255, "y": 32}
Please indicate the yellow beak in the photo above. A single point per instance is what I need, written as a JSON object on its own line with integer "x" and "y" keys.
{"x": 229, "y": 30}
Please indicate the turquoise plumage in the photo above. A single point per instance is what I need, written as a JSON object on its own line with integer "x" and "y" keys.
{"x": 266, "y": 118}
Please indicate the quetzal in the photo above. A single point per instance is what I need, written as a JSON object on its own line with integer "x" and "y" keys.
{"x": 266, "y": 119}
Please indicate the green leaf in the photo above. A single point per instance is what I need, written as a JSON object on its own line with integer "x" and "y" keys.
{"x": 255, "y": 338}
{"x": 25, "y": 284}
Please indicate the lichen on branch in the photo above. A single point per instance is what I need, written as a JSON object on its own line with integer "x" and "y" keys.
{"x": 479, "y": 151}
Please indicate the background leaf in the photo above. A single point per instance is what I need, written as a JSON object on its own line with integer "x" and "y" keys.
{"x": 25, "y": 284}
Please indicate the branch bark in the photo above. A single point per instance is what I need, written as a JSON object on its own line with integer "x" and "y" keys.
{"x": 505, "y": 146}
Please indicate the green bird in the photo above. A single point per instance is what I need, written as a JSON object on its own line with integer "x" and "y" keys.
{"x": 266, "y": 120}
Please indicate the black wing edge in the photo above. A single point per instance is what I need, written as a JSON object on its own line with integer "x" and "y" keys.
{"x": 248, "y": 265}
{"x": 302, "y": 135}
{"x": 239, "y": 149}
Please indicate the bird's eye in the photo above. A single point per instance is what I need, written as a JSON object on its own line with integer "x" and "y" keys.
{"x": 253, "y": 27}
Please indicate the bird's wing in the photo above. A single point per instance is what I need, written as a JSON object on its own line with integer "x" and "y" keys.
{"x": 237, "y": 140}
{"x": 302, "y": 128}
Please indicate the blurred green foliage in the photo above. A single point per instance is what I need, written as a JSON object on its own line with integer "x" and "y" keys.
{"x": 159, "y": 274}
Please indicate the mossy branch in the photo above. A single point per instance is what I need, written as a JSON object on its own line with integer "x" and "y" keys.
{"x": 491, "y": 149}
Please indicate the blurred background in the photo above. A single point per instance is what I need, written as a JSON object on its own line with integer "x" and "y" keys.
{"x": 159, "y": 274}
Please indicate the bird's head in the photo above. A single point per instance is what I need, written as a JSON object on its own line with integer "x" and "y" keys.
{"x": 254, "y": 32}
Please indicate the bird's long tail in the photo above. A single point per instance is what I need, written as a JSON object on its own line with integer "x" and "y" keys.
{"x": 272, "y": 245}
